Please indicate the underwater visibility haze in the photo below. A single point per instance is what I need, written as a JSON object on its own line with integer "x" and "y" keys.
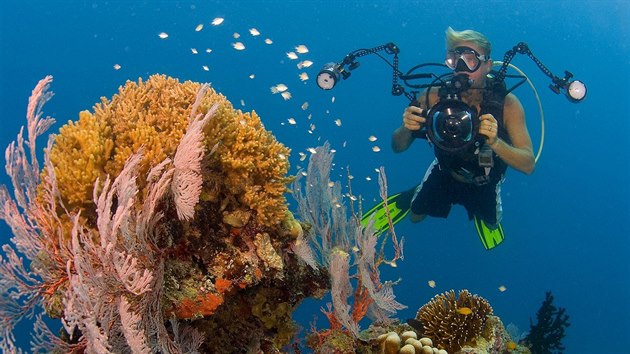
{"x": 220, "y": 185}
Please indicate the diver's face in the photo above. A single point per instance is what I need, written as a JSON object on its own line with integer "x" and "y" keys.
{"x": 479, "y": 75}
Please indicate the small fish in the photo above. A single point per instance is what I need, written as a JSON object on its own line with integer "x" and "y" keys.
{"x": 117, "y": 66}
{"x": 163, "y": 35}
{"x": 368, "y": 178}
{"x": 282, "y": 156}
{"x": 372, "y": 138}
{"x": 312, "y": 150}
{"x": 312, "y": 127}
{"x": 292, "y": 55}
{"x": 510, "y": 346}
{"x": 194, "y": 51}
{"x": 331, "y": 184}
{"x": 304, "y": 173}
{"x": 301, "y": 49}
{"x": 238, "y": 46}
{"x": 304, "y": 64}
{"x": 236, "y": 35}
{"x": 217, "y": 21}
{"x": 502, "y": 288}
{"x": 332, "y": 99}
{"x": 268, "y": 41}
{"x": 286, "y": 95}
{"x": 252, "y": 76}
{"x": 208, "y": 50}
{"x": 242, "y": 102}
{"x": 291, "y": 121}
{"x": 376, "y": 149}
{"x": 278, "y": 88}
{"x": 304, "y": 106}
{"x": 338, "y": 122}
{"x": 254, "y": 32}
{"x": 431, "y": 283}
{"x": 206, "y": 68}
{"x": 377, "y": 170}
{"x": 353, "y": 198}
{"x": 199, "y": 27}
{"x": 303, "y": 76}
{"x": 464, "y": 311}
{"x": 302, "y": 156}
{"x": 332, "y": 150}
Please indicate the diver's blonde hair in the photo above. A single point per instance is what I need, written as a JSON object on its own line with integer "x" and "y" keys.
{"x": 455, "y": 37}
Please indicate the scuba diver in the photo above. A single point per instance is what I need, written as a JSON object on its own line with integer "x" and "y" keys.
{"x": 474, "y": 123}
{"x": 458, "y": 178}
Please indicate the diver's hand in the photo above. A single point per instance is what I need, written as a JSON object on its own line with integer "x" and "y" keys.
{"x": 413, "y": 118}
{"x": 489, "y": 128}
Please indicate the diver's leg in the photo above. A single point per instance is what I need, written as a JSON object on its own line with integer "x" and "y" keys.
{"x": 431, "y": 196}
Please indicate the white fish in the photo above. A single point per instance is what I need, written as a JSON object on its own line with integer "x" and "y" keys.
{"x": 254, "y": 32}
{"x": 291, "y": 121}
{"x": 338, "y": 122}
{"x": 302, "y": 156}
{"x": 208, "y": 50}
{"x": 279, "y": 88}
{"x": 331, "y": 150}
{"x": 268, "y": 41}
{"x": 353, "y": 198}
{"x": 238, "y": 46}
{"x": 292, "y": 55}
{"x": 304, "y": 64}
{"x": 217, "y": 21}
{"x": 163, "y": 35}
{"x": 431, "y": 283}
{"x": 376, "y": 149}
{"x": 117, "y": 66}
{"x": 194, "y": 51}
{"x": 303, "y": 76}
{"x": 199, "y": 27}
{"x": 236, "y": 35}
{"x": 206, "y": 68}
{"x": 332, "y": 99}
{"x": 304, "y": 173}
{"x": 304, "y": 106}
{"x": 310, "y": 116}
{"x": 331, "y": 184}
{"x": 312, "y": 127}
{"x": 286, "y": 95}
{"x": 242, "y": 102}
{"x": 377, "y": 170}
{"x": 502, "y": 288}
{"x": 372, "y": 138}
{"x": 311, "y": 150}
{"x": 368, "y": 178}
{"x": 301, "y": 49}
{"x": 282, "y": 156}
{"x": 252, "y": 76}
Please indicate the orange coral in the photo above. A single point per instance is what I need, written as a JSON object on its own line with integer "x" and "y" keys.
{"x": 249, "y": 164}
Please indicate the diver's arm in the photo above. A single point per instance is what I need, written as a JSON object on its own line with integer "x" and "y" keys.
{"x": 519, "y": 155}
{"x": 413, "y": 120}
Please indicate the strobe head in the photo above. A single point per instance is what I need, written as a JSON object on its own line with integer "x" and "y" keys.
{"x": 328, "y": 76}
{"x": 576, "y": 91}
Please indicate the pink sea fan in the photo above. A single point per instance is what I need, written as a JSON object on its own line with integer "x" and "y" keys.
{"x": 187, "y": 179}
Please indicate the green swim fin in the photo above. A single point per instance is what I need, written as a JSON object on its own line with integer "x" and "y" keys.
{"x": 399, "y": 205}
{"x": 490, "y": 238}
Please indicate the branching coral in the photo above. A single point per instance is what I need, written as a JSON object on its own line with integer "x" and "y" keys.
{"x": 451, "y": 321}
{"x": 551, "y": 322}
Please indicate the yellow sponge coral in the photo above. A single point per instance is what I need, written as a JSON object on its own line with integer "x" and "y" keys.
{"x": 247, "y": 169}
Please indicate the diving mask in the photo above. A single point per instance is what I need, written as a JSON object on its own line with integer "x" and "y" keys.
{"x": 464, "y": 59}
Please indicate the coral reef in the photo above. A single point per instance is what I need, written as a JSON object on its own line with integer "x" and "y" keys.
{"x": 454, "y": 321}
{"x": 165, "y": 204}
{"x": 551, "y": 322}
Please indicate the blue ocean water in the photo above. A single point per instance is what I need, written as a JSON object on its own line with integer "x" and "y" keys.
{"x": 567, "y": 225}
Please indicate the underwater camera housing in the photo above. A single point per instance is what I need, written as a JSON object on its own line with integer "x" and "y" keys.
{"x": 452, "y": 124}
